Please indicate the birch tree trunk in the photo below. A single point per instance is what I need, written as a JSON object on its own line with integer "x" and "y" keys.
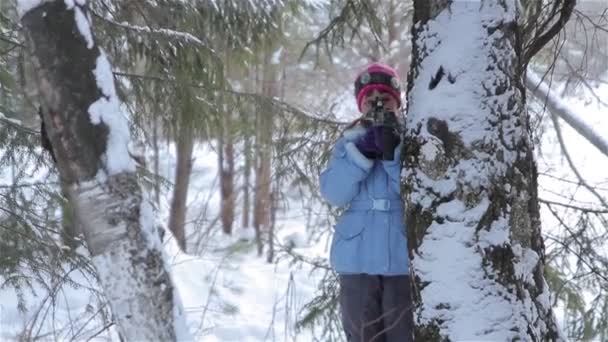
{"x": 472, "y": 214}
{"x": 89, "y": 136}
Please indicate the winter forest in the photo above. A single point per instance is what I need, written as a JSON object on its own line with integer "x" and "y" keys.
{"x": 160, "y": 165}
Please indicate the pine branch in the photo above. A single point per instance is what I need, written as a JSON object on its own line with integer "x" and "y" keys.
{"x": 273, "y": 101}
{"x": 185, "y": 37}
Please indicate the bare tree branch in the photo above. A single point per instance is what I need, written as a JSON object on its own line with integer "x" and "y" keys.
{"x": 557, "y": 107}
{"x": 538, "y": 43}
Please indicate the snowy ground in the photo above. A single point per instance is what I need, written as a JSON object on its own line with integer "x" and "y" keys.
{"x": 229, "y": 293}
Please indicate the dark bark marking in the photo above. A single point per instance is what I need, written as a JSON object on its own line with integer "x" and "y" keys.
{"x": 452, "y": 143}
{"x": 437, "y": 78}
{"x": 44, "y": 137}
{"x": 55, "y": 40}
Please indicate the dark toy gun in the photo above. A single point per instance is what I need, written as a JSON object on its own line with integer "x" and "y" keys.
{"x": 378, "y": 116}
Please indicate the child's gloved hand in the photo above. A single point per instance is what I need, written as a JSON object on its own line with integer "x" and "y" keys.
{"x": 378, "y": 139}
{"x": 370, "y": 144}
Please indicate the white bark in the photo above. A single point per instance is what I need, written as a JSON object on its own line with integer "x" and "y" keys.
{"x": 89, "y": 136}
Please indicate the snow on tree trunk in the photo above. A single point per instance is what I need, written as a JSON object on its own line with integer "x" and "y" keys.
{"x": 470, "y": 179}
{"x": 89, "y": 135}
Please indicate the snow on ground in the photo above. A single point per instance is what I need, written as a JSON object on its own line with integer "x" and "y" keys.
{"x": 228, "y": 292}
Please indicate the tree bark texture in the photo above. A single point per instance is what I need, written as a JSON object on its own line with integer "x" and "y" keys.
{"x": 108, "y": 201}
{"x": 473, "y": 221}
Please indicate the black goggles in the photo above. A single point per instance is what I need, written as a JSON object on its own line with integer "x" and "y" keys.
{"x": 376, "y": 78}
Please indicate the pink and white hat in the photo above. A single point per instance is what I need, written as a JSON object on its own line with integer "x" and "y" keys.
{"x": 380, "y": 77}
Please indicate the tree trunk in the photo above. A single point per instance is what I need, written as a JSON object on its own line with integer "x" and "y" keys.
{"x": 261, "y": 211}
{"x": 271, "y": 227}
{"x": 226, "y": 163}
{"x": 247, "y": 168}
{"x": 264, "y": 130}
{"x": 89, "y": 137}
{"x": 179, "y": 204}
{"x": 472, "y": 216}
{"x": 155, "y": 148}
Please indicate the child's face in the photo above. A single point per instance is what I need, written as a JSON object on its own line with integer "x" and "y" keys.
{"x": 390, "y": 103}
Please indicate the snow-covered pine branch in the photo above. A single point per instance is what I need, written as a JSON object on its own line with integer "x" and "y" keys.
{"x": 89, "y": 135}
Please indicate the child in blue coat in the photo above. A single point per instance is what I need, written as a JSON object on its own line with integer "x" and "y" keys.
{"x": 369, "y": 250}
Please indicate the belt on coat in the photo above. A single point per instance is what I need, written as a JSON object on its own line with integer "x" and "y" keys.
{"x": 380, "y": 204}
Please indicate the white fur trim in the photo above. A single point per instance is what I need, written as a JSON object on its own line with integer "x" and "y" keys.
{"x": 357, "y": 157}
{"x": 354, "y": 133}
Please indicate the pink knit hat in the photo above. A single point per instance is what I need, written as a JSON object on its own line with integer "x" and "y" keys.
{"x": 380, "y": 77}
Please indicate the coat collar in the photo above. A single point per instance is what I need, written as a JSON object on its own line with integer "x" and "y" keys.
{"x": 354, "y": 133}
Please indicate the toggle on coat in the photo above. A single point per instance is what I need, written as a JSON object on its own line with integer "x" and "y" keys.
{"x": 370, "y": 235}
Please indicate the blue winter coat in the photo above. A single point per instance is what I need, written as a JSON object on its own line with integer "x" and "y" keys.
{"x": 370, "y": 235}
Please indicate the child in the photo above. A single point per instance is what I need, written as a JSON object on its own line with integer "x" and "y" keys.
{"x": 369, "y": 250}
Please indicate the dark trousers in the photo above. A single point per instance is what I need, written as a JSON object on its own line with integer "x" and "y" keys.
{"x": 376, "y": 308}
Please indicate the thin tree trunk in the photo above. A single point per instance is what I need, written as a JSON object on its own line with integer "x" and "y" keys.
{"x": 177, "y": 218}
{"x": 247, "y": 169}
{"x": 226, "y": 166}
{"x": 473, "y": 218}
{"x": 264, "y": 153}
{"x": 155, "y": 137}
{"x": 89, "y": 137}
{"x": 270, "y": 255}
{"x": 261, "y": 211}
{"x": 226, "y": 163}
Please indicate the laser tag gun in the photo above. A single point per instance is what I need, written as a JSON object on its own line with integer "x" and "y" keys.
{"x": 378, "y": 116}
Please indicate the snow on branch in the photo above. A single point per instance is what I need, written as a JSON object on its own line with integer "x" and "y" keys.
{"x": 23, "y": 6}
{"x": 167, "y": 33}
{"x": 558, "y": 107}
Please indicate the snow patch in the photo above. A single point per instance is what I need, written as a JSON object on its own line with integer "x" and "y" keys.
{"x": 107, "y": 110}
{"x": 430, "y": 150}
{"x": 294, "y": 237}
{"x": 24, "y": 6}
{"x": 83, "y": 26}
{"x": 276, "y": 56}
{"x": 498, "y": 234}
{"x": 527, "y": 260}
{"x": 245, "y": 233}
